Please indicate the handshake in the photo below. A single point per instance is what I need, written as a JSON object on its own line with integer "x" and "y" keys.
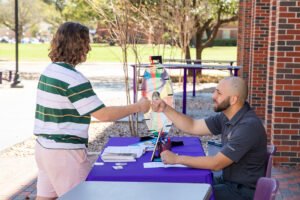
{"x": 157, "y": 105}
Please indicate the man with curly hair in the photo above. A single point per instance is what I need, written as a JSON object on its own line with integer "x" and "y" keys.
{"x": 65, "y": 103}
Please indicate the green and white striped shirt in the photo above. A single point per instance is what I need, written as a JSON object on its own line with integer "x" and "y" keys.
{"x": 65, "y": 100}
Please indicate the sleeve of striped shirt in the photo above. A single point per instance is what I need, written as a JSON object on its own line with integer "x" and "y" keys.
{"x": 84, "y": 98}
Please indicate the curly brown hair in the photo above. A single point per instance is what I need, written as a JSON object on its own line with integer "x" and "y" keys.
{"x": 70, "y": 44}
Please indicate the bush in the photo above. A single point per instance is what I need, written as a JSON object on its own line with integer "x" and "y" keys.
{"x": 111, "y": 42}
{"x": 202, "y": 78}
{"x": 224, "y": 42}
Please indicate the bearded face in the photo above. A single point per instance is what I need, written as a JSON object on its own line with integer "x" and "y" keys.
{"x": 219, "y": 107}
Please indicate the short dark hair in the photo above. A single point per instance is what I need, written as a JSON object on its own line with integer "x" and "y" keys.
{"x": 70, "y": 44}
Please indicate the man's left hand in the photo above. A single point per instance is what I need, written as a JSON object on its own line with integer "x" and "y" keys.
{"x": 169, "y": 157}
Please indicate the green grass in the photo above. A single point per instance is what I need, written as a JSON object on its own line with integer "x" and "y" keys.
{"x": 105, "y": 53}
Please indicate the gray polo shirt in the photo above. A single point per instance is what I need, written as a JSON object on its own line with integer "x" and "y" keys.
{"x": 245, "y": 142}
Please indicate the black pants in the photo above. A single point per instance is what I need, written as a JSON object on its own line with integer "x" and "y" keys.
{"x": 233, "y": 191}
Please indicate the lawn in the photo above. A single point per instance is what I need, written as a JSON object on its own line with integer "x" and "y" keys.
{"x": 105, "y": 53}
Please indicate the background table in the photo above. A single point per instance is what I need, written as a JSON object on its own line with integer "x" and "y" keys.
{"x": 138, "y": 191}
{"x": 233, "y": 70}
{"x": 135, "y": 172}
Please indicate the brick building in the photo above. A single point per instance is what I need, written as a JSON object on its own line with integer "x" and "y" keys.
{"x": 269, "y": 51}
{"x": 228, "y": 31}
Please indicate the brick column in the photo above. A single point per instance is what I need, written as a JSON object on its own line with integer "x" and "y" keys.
{"x": 244, "y": 37}
{"x": 241, "y": 37}
{"x": 286, "y": 91}
{"x": 269, "y": 51}
{"x": 270, "y": 70}
{"x": 259, "y": 56}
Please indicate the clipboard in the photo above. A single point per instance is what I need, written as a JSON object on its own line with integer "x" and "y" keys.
{"x": 155, "y": 146}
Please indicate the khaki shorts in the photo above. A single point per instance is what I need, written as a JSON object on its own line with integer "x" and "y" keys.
{"x": 60, "y": 170}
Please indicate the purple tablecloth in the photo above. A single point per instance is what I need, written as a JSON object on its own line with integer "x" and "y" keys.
{"x": 134, "y": 171}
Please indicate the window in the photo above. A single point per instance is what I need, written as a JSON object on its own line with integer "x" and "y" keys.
{"x": 226, "y": 34}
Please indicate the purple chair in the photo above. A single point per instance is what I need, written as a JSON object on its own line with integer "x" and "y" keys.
{"x": 271, "y": 149}
{"x": 266, "y": 189}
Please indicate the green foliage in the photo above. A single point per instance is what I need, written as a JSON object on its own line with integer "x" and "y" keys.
{"x": 34, "y": 30}
{"x": 70, "y": 10}
{"x": 59, "y": 4}
{"x": 224, "y": 42}
{"x": 228, "y": 6}
{"x": 31, "y": 12}
{"x": 80, "y": 11}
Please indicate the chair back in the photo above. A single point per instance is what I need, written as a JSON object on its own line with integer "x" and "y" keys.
{"x": 271, "y": 150}
{"x": 266, "y": 189}
{"x": 269, "y": 167}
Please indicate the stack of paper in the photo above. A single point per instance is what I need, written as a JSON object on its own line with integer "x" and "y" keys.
{"x": 122, "y": 153}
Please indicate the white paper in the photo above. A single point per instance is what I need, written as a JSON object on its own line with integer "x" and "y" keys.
{"x": 135, "y": 150}
{"x": 98, "y": 163}
{"x": 160, "y": 164}
{"x": 115, "y": 160}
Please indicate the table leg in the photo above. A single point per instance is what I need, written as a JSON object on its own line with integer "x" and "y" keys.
{"x": 194, "y": 82}
{"x": 10, "y": 75}
{"x": 184, "y": 91}
{"x": 236, "y": 72}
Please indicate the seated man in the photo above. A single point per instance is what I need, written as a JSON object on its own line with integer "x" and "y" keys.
{"x": 242, "y": 157}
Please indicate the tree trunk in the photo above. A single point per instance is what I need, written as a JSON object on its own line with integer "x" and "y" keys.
{"x": 187, "y": 53}
{"x": 199, "y": 53}
{"x": 150, "y": 35}
{"x": 199, "y": 47}
{"x": 188, "y": 57}
{"x": 208, "y": 33}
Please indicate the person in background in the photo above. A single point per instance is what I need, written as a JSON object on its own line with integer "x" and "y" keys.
{"x": 243, "y": 154}
{"x": 65, "y": 103}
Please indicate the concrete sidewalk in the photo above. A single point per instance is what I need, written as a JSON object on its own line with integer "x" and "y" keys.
{"x": 97, "y": 69}
{"x": 90, "y": 69}
{"x": 17, "y": 113}
{"x": 16, "y": 175}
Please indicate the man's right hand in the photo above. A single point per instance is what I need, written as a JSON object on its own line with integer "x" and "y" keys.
{"x": 159, "y": 105}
